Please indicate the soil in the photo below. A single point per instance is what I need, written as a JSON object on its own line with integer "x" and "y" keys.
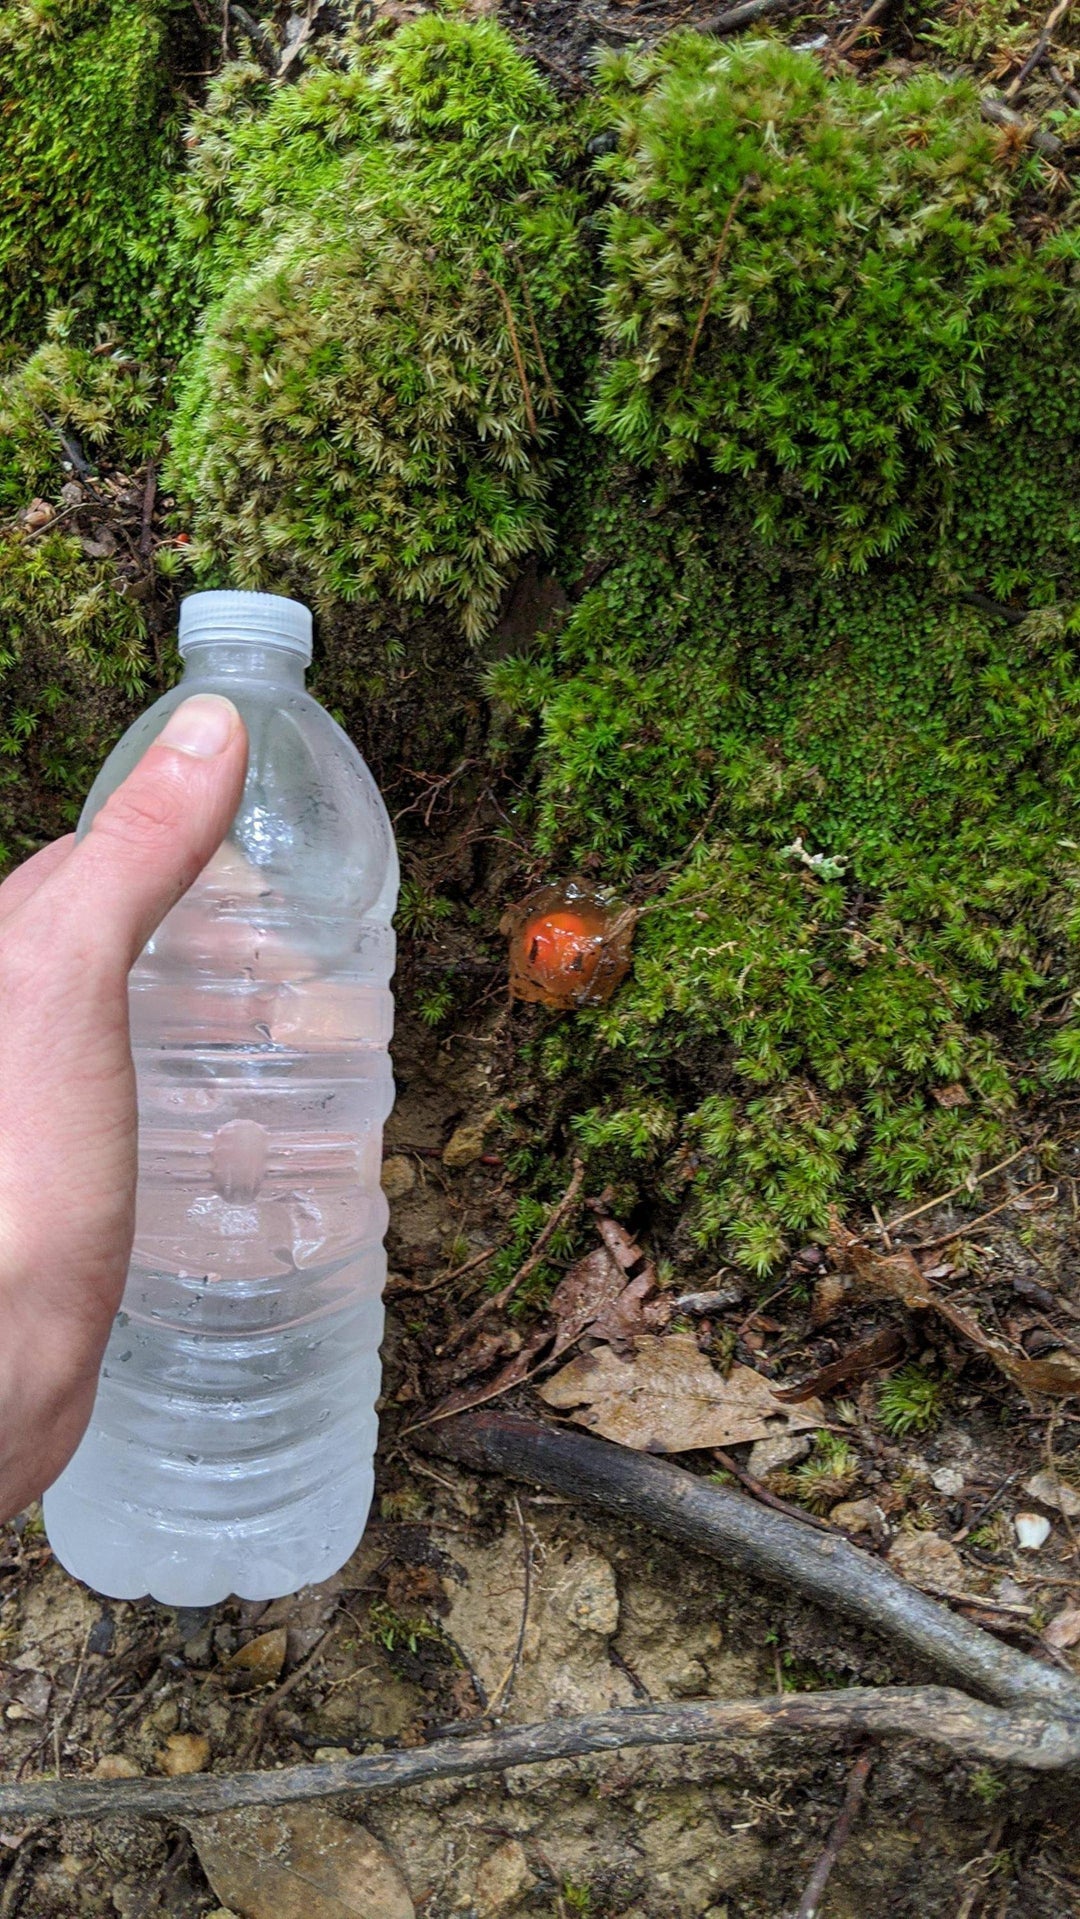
{"x": 436, "y": 1616}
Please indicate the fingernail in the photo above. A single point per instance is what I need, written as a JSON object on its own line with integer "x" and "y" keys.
{"x": 203, "y": 726}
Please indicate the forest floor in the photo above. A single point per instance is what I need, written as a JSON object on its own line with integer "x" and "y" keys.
{"x": 471, "y": 1598}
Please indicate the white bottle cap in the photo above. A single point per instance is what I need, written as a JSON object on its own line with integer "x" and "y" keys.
{"x": 206, "y": 617}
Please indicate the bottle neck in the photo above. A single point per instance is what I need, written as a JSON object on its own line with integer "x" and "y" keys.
{"x": 244, "y": 660}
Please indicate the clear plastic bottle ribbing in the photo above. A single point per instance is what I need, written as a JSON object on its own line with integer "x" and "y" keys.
{"x": 233, "y": 1435}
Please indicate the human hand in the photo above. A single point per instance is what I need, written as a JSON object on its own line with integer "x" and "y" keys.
{"x": 73, "y": 921}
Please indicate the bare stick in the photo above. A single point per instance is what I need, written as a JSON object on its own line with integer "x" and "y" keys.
{"x": 978, "y": 1179}
{"x": 735, "y": 17}
{"x": 497, "y": 1301}
{"x": 757, "y": 1491}
{"x": 824, "y": 1568}
{"x": 937, "y": 1714}
{"x": 999, "y": 115}
{"x": 1040, "y": 49}
{"x": 721, "y": 248}
{"x": 844, "y": 46}
{"x": 810, "y": 1903}
{"x": 519, "y": 357}
{"x": 974, "y": 1225}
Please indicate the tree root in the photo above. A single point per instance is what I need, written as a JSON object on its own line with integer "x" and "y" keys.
{"x": 768, "y": 1545}
{"x": 934, "y": 1713}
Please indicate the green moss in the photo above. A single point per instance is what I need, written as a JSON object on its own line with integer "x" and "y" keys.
{"x": 72, "y": 658}
{"x": 805, "y": 281}
{"x": 369, "y": 413}
{"x": 87, "y": 132}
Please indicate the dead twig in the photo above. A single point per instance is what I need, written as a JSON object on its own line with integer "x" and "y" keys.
{"x": 810, "y": 1903}
{"x": 938, "y": 1714}
{"x": 256, "y": 33}
{"x": 1040, "y": 49}
{"x": 444, "y": 1279}
{"x": 757, "y": 1491}
{"x": 978, "y": 1179}
{"x": 843, "y": 46}
{"x": 694, "y": 1512}
{"x": 946, "y": 1239}
{"x": 515, "y": 348}
{"x": 718, "y": 256}
{"x": 735, "y": 17}
{"x": 498, "y": 1301}
{"x": 999, "y": 115}
{"x": 990, "y": 1505}
{"x": 549, "y": 383}
{"x": 146, "y": 536}
{"x": 299, "y": 1673}
{"x": 503, "y": 1693}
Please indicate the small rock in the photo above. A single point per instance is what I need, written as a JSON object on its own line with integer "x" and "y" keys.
{"x": 465, "y": 1144}
{"x": 1052, "y": 1491}
{"x": 326, "y": 1755}
{"x": 164, "y": 1718}
{"x": 1032, "y": 1531}
{"x": 259, "y": 1663}
{"x": 714, "y": 1302}
{"x": 828, "y": 1298}
{"x": 858, "y": 1516}
{"x": 1010, "y": 1592}
{"x": 37, "y": 515}
{"x": 398, "y": 1176}
{"x": 768, "y": 1455}
{"x": 948, "y": 1480}
{"x": 594, "y": 1606}
{"x": 1064, "y": 1628}
{"x": 928, "y": 1560}
{"x": 185, "y": 1752}
{"x": 503, "y": 1878}
{"x": 116, "y": 1765}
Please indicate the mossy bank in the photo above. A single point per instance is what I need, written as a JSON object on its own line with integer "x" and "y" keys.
{"x": 774, "y": 369}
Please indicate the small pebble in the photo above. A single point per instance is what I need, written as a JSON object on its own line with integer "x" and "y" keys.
{"x": 1032, "y": 1531}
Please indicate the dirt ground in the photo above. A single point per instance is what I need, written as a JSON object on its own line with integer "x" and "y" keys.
{"x": 420, "y": 1631}
{"x": 468, "y": 1591}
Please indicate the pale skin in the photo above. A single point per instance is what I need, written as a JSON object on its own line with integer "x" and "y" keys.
{"x": 73, "y": 920}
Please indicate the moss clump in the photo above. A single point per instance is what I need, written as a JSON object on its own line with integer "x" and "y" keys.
{"x": 88, "y": 129}
{"x": 826, "y": 984}
{"x": 110, "y": 405}
{"x": 806, "y": 279}
{"x": 72, "y": 658}
{"x": 368, "y": 414}
{"x": 837, "y": 764}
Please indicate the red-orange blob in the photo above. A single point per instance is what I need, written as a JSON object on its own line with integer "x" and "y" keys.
{"x": 569, "y": 945}
{"x": 561, "y": 946}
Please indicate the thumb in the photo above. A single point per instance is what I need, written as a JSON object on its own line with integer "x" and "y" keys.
{"x": 155, "y": 834}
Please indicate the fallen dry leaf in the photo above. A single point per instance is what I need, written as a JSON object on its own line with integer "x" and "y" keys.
{"x": 899, "y": 1276}
{"x": 1064, "y": 1628}
{"x": 928, "y": 1560}
{"x": 1052, "y": 1491}
{"x": 299, "y": 1863}
{"x": 595, "y": 1296}
{"x": 259, "y": 1663}
{"x": 667, "y": 1398}
{"x": 878, "y": 1350}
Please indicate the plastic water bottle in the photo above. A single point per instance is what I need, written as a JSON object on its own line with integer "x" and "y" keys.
{"x": 233, "y": 1435}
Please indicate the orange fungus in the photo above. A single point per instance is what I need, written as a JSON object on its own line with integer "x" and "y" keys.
{"x": 569, "y": 945}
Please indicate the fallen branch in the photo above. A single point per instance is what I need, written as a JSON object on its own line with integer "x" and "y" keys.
{"x": 999, "y": 115}
{"x": 1040, "y": 49}
{"x": 743, "y": 16}
{"x": 810, "y": 1903}
{"x": 870, "y": 17}
{"x": 694, "y": 1512}
{"x": 935, "y": 1713}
